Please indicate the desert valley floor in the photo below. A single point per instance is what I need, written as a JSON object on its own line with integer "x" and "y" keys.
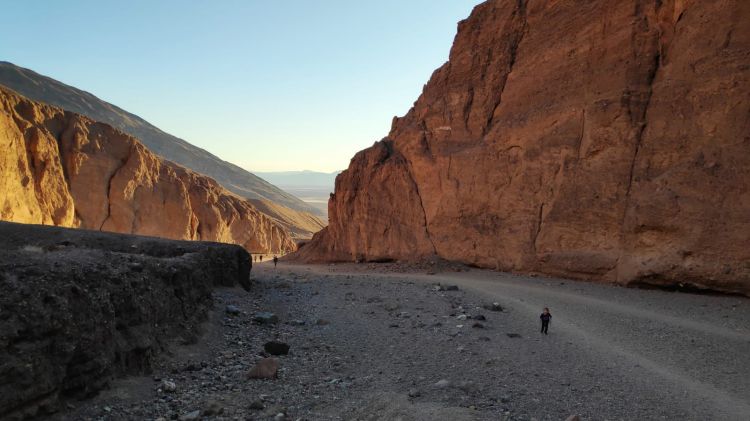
{"x": 391, "y": 342}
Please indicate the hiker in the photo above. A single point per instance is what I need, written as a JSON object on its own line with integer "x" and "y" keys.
{"x": 275, "y": 261}
{"x": 261, "y": 258}
{"x": 546, "y": 317}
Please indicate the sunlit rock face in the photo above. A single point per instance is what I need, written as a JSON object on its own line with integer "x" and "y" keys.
{"x": 60, "y": 168}
{"x": 606, "y": 140}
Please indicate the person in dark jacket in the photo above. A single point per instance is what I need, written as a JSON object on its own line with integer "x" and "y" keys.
{"x": 546, "y": 317}
{"x": 275, "y": 261}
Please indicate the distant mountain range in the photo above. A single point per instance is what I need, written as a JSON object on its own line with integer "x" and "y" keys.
{"x": 311, "y": 186}
{"x": 233, "y": 178}
{"x": 304, "y": 178}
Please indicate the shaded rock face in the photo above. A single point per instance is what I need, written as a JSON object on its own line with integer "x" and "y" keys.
{"x": 78, "y": 307}
{"x": 603, "y": 140}
{"x": 60, "y": 168}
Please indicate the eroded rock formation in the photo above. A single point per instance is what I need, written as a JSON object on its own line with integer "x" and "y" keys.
{"x": 233, "y": 178}
{"x": 605, "y": 140}
{"x": 61, "y": 168}
{"x": 79, "y": 307}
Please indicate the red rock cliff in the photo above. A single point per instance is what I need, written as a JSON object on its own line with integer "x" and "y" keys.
{"x": 591, "y": 139}
{"x": 60, "y": 168}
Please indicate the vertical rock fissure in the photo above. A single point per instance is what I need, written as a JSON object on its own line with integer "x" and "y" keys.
{"x": 109, "y": 186}
{"x": 580, "y": 136}
{"x": 515, "y": 43}
{"x": 640, "y": 119}
{"x": 539, "y": 221}
{"x": 421, "y": 205}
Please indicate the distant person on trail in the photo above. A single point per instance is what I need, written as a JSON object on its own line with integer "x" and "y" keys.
{"x": 546, "y": 317}
{"x": 275, "y": 261}
{"x": 261, "y": 258}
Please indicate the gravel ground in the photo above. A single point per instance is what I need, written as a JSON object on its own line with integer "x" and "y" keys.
{"x": 383, "y": 342}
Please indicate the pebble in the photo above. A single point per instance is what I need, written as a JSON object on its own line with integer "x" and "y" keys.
{"x": 167, "y": 386}
{"x": 191, "y": 416}
{"x": 442, "y": 384}
{"x": 493, "y": 307}
{"x": 233, "y": 310}
{"x": 267, "y": 368}
{"x": 276, "y": 348}
{"x": 414, "y": 393}
{"x": 265, "y": 318}
{"x": 213, "y": 408}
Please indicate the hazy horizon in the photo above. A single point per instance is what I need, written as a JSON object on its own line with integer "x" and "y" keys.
{"x": 270, "y": 87}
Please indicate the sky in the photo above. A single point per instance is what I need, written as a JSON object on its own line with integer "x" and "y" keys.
{"x": 270, "y": 85}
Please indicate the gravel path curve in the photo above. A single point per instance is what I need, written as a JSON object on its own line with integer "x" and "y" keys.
{"x": 392, "y": 342}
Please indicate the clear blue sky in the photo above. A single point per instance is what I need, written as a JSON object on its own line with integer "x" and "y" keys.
{"x": 269, "y": 85}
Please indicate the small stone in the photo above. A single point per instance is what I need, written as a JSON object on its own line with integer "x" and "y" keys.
{"x": 451, "y": 287}
{"x": 297, "y": 323}
{"x": 280, "y": 416}
{"x": 267, "y": 368}
{"x": 191, "y": 416}
{"x": 479, "y": 317}
{"x": 414, "y": 393}
{"x": 493, "y": 307}
{"x": 167, "y": 386}
{"x": 257, "y": 405}
{"x": 442, "y": 384}
{"x": 322, "y": 322}
{"x": 233, "y": 310}
{"x": 276, "y": 348}
{"x": 265, "y": 318}
{"x": 477, "y": 325}
{"x": 213, "y": 408}
{"x": 461, "y": 317}
{"x": 513, "y": 335}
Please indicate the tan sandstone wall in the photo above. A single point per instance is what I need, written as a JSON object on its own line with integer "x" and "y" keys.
{"x": 60, "y": 168}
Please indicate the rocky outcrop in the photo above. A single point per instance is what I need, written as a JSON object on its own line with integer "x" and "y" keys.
{"x": 233, "y": 178}
{"x": 61, "y": 168}
{"x": 604, "y": 140}
{"x": 80, "y": 307}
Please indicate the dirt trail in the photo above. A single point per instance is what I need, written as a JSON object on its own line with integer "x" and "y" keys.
{"x": 697, "y": 346}
{"x": 370, "y": 343}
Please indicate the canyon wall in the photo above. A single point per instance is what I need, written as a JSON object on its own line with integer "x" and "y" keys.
{"x": 80, "y": 307}
{"x": 605, "y": 140}
{"x": 61, "y": 168}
